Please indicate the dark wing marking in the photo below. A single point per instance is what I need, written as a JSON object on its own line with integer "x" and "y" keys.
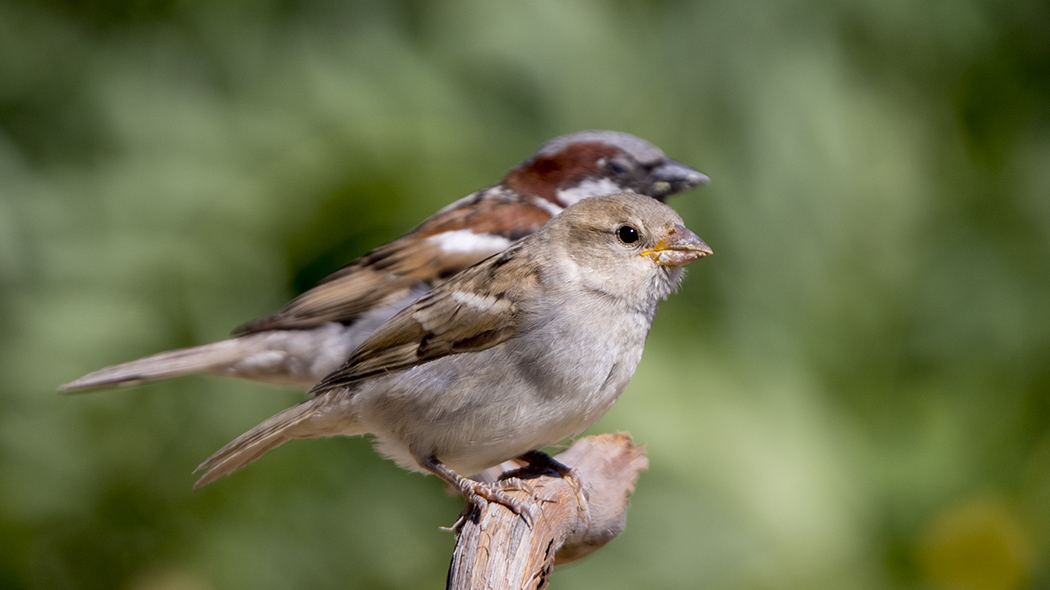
{"x": 475, "y": 310}
{"x": 386, "y": 275}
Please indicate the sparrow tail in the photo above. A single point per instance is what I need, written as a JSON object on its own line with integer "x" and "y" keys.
{"x": 305, "y": 420}
{"x": 207, "y": 358}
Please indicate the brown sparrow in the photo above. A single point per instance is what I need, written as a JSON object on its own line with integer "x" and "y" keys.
{"x": 314, "y": 333}
{"x": 515, "y": 353}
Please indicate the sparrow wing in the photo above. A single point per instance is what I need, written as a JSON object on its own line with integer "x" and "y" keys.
{"x": 475, "y": 310}
{"x": 449, "y": 241}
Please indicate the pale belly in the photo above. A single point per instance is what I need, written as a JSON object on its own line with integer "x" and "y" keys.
{"x": 473, "y": 413}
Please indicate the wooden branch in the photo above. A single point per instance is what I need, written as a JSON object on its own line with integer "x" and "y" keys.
{"x": 570, "y": 518}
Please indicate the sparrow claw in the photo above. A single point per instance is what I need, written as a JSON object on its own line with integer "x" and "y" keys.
{"x": 477, "y": 493}
{"x": 481, "y": 493}
{"x": 469, "y": 512}
{"x": 516, "y": 484}
{"x": 540, "y": 463}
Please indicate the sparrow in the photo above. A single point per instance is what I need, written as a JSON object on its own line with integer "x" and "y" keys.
{"x": 313, "y": 334}
{"x": 528, "y": 347}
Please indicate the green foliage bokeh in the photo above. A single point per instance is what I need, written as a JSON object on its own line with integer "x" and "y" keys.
{"x": 854, "y": 392}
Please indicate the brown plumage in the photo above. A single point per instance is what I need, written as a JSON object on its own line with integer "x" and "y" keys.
{"x": 517, "y": 352}
{"x": 314, "y": 333}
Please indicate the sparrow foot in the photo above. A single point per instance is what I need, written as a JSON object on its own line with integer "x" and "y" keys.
{"x": 477, "y": 493}
{"x": 540, "y": 463}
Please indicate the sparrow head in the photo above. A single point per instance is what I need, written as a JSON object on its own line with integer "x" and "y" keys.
{"x": 627, "y": 245}
{"x": 588, "y": 164}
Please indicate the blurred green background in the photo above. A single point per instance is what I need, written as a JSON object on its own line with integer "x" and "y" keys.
{"x": 854, "y": 392}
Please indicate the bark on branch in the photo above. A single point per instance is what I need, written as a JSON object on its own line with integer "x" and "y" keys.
{"x": 570, "y": 518}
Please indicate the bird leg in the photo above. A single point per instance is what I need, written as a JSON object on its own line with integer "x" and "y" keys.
{"x": 476, "y": 492}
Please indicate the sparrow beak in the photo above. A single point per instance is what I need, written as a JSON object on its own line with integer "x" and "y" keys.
{"x": 679, "y": 247}
{"x": 672, "y": 176}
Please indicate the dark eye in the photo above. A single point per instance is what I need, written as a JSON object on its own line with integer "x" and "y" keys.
{"x": 616, "y": 167}
{"x": 627, "y": 234}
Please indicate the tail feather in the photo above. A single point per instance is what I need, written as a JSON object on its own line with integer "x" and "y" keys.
{"x": 163, "y": 365}
{"x": 299, "y": 421}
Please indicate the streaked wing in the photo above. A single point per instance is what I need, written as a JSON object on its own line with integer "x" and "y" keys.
{"x": 473, "y": 311}
{"x": 449, "y": 241}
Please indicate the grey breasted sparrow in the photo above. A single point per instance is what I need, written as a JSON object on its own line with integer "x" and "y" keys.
{"x": 515, "y": 353}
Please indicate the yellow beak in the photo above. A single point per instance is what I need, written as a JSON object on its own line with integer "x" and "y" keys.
{"x": 679, "y": 247}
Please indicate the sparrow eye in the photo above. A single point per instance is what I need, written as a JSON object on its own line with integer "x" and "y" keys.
{"x": 616, "y": 167}
{"x": 627, "y": 234}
